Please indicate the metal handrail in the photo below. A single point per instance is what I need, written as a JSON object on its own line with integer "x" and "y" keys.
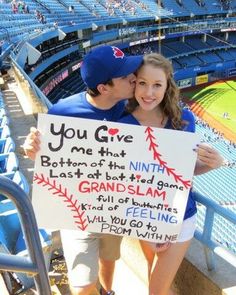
{"x": 210, "y": 246}
{"x": 34, "y": 264}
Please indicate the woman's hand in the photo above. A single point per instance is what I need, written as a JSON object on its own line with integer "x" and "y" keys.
{"x": 208, "y": 159}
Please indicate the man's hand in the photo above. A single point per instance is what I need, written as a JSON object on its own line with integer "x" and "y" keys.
{"x": 32, "y": 143}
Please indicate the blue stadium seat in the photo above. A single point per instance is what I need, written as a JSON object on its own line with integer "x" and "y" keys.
{"x": 7, "y": 145}
{"x": 11, "y": 235}
{"x": 8, "y": 162}
{"x": 4, "y": 132}
{"x": 4, "y": 120}
{"x": 9, "y": 225}
{"x": 225, "y": 55}
{"x": 19, "y": 178}
{"x": 12, "y": 239}
{"x": 2, "y": 112}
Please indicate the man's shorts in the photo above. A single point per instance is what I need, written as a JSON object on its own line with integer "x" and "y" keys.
{"x": 82, "y": 251}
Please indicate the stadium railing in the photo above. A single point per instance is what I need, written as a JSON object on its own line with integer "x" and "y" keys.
{"x": 205, "y": 237}
{"x": 34, "y": 264}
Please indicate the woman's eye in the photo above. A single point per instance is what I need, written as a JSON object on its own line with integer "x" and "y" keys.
{"x": 157, "y": 85}
{"x": 141, "y": 83}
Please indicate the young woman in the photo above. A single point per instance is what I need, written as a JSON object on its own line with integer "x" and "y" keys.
{"x": 157, "y": 104}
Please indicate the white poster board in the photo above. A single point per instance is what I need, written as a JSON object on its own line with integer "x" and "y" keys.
{"x": 112, "y": 178}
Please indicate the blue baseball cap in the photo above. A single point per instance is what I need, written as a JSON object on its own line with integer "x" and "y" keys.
{"x": 105, "y": 63}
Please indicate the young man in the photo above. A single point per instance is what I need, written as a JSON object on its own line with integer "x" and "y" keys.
{"x": 108, "y": 75}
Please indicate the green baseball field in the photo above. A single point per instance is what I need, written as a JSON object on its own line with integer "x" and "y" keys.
{"x": 215, "y": 103}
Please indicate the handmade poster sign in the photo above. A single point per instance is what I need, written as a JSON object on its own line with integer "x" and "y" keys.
{"x": 112, "y": 178}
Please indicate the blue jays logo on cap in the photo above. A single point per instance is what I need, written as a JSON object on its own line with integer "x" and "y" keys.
{"x": 117, "y": 52}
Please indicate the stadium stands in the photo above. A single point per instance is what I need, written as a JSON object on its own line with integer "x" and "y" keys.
{"x": 189, "y": 61}
{"x": 13, "y": 244}
{"x": 218, "y": 185}
{"x": 225, "y": 55}
{"x": 194, "y": 7}
{"x": 178, "y": 47}
{"x": 11, "y": 235}
{"x": 91, "y": 11}
{"x": 196, "y": 43}
{"x": 209, "y": 58}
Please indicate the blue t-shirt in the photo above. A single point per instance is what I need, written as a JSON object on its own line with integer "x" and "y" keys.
{"x": 187, "y": 116}
{"x": 78, "y": 106}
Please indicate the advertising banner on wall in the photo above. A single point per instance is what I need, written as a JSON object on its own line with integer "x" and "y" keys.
{"x": 185, "y": 83}
{"x": 201, "y": 79}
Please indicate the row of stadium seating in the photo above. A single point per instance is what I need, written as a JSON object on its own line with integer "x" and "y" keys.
{"x": 11, "y": 235}
{"x": 73, "y": 84}
{"x": 8, "y": 158}
{"x": 9, "y": 163}
{"x": 193, "y": 45}
{"x": 218, "y": 185}
{"x": 183, "y": 7}
{"x": 94, "y": 11}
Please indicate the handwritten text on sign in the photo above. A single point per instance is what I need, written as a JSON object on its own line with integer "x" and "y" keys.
{"x": 112, "y": 178}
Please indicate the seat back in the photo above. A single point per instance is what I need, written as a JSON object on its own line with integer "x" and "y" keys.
{"x": 5, "y": 131}
{"x": 8, "y": 162}
{"x": 7, "y": 145}
{"x": 4, "y": 121}
{"x": 9, "y": 223}
{"x": 19, "y": 178}
{"x": 2, "y": 111}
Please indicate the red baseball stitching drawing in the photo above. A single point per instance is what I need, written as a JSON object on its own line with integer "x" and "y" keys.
{"x": 79, "y": 218}
{"x": 157, "y": 156}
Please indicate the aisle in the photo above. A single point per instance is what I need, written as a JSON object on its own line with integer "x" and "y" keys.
{"x": 126, "y": 282}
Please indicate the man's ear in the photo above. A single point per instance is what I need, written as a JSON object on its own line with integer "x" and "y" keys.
{"x": 102, "y": 88}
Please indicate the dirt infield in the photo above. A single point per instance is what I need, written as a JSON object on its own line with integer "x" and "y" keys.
{"x": 213, "y": 122}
